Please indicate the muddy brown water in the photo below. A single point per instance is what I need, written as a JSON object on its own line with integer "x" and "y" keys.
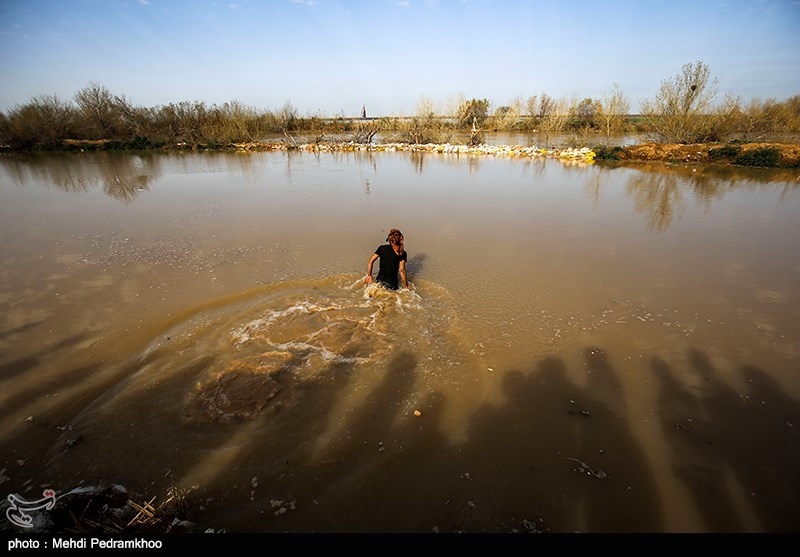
{"x": 584, "y": 348}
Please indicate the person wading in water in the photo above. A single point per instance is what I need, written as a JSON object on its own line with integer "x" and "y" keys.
{"x": 393, "y": 259}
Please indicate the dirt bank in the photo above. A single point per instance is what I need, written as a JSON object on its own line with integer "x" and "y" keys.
{"x": 717, "y": 153}
{"x": 771, "y": 155}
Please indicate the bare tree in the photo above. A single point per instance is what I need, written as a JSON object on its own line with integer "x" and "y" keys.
{"x": 426, "y": 108}
{"x": 760, "y": 118}
{"x": 554, "y": 114}
{"x": 723, "y": 119}
{"x": 97, "y": 106}
{"x": 134, "y": 120}
{"x": 44, "y": 121}
{"x": 508, "y": 117}
{"x": 678, "y": 112}
{"x": 454, "y": 105}
{"x": 287, "y": 118}
{"x": 425, "y": 126}
{"x": 531, "y": 105}
{"x": 473, "y": 111}
{"x": 366, "y": 131}
{"x": 585, "y": 114}
{"x": 547, "y": 105}
{"x": 792, "y": 105}
{"x": 614, "y": 109}
{"x": 5, "y": 128}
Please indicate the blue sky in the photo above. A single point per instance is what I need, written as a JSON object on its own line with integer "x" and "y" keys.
{"x": 328, "y": 57}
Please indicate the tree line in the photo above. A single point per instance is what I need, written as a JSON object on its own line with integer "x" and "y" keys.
{"x": 684, "y": 110}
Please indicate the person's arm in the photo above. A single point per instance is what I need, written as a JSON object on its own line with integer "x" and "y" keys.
{"x": 403, "y": 272}
{"x": 369, "y": 268}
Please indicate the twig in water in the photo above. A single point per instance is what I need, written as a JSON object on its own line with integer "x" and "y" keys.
{"x": 589, "y": 470}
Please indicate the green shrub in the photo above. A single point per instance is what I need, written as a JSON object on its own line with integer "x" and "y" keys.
{"x": 728, "y": 152}
{"x": 768, "y": 157}
{"x": 140, "y": 142}
{"x": 605, "y": 153}
{"x": 114, "y": 145}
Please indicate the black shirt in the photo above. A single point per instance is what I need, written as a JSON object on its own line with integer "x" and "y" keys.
{"x": 389, "y": 265}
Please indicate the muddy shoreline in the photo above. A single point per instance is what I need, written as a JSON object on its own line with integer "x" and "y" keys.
{"x": 755, "y": 154}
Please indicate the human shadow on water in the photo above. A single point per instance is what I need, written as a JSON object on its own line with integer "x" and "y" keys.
{"x": 359, "y": 473}
{"x": 46, "y": 426}
{"x": 554, "y": 457}
{"x": 121, "y": 425}
{"x": 332, "y": 455}
{"x": 415, "y": 265}
{"x": 737, "y": 453}
{"x": 628, "y": 499}
{"x": 298, "y": 451}
{"x": 22, "y": 365}
{"x": 516, "y": 455}
{"x": 528, "y": 464}
{"x": 20, "y": 329}
{"x": 770, "y": 464}
{"x": 380, "y": 474}
{"x": 60, "y": 448}
{"x": 689, "y": 434}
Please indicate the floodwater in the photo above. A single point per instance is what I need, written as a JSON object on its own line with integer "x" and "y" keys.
{"x": 585, "y": 348}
